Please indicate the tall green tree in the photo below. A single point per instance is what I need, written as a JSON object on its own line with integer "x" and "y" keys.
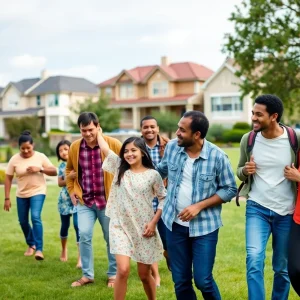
{"x": 109, "y": 117}
{"x": 167, "y": 122}
{"x": 266, "y": 47}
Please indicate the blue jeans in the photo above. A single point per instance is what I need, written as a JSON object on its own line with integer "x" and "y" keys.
{"x": 161, "y": 227}
{"x": 86, "y": 220}
{"x": 192, "y": 254}
{"x": 65, "y": 224}
{"x": 34, "y": 235}
{"x": 260, "y": 223}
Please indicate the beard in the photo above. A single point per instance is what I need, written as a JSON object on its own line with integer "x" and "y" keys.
{"x": 183, "y": 143}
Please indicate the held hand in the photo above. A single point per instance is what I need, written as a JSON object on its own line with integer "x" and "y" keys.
{"x": 250, "y": 167}
{"x": 74, "y": 199}
{"x": 72, "y": 175}
{"x": 149, "y": 230}
{"x": 291, "y": 173}
{"x": 189, "y": 212}
{"x": 33, "y": 169}
{"x": 7, "y": 205}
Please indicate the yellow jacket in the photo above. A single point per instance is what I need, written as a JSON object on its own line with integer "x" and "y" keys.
{"x": 73, "y": 186}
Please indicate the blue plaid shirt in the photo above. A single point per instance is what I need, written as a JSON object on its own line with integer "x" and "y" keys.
{"x": 154, "y": 153}
{"x": 212, "y": 174}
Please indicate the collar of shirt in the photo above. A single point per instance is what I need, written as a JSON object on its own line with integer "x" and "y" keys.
{"x": 84, "y": 145}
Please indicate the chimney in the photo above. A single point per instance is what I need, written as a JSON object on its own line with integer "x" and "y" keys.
{"x": 44, "y": 74}
{"x": 165, "y": 61}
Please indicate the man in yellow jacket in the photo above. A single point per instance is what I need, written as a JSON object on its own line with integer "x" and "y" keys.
{"x": 89, "y": 192}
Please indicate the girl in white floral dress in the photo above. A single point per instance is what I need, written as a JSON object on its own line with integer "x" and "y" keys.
{"x": 132, "y": 229}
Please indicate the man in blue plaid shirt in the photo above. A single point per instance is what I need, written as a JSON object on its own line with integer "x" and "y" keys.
{"x": 155, "y": 145}
{"x": 200, "y": 180}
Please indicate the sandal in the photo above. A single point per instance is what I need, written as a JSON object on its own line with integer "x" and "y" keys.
{"x": 111, "y": 282}
{"x": 82, "y": 282}
{"x": 30, "y": 251}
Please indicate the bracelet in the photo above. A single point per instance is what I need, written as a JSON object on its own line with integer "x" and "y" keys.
{"x": 6, "y": 199}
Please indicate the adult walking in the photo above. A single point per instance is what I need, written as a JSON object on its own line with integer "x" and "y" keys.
{"x": 29, "y": 166}
{"x": 89, "y": 192}
{"x": 270, "y": 197}
{"x": 200, "y": 180}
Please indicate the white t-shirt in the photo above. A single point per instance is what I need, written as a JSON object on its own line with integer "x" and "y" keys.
{"x": 269, "y": 187}
{"x": 184, "y": 197}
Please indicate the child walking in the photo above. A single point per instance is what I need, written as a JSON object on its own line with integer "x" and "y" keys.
{"x": 132, "y": 228}
{"x": 65, "y": 206}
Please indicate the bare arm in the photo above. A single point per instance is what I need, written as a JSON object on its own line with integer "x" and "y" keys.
{"x": 7, "y": 187}
{"x": 102, "y": 143}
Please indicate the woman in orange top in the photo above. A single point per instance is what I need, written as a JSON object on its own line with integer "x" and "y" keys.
{"x": 29, "y": 167}
{"x": 293, "y": 174}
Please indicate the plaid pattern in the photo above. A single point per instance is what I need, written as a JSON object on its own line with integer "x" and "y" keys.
{"x": 154, "y": 153}
{"x": 212, "y": 174}
{"x": 92, "y": 183}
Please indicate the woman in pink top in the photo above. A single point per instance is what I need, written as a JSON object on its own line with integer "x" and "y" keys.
{"x": 29, "y": 167}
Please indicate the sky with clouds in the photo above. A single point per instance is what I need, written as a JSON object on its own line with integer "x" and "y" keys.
{"x": 97, "y": 39}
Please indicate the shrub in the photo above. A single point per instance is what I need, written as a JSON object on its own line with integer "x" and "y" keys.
{"x": 9, "y": 153}
{"x": 233, "y": 135}
{"x": 242, "y": 125}
{"x": 215, "y": 133}
{"x": 2, "y": 176}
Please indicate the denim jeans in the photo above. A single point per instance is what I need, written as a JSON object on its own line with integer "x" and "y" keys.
{"x": 86, "y": 220}
{"x": 34, "y": 235}
{"x": 190, "y": 255}
{"x": 65, "y": 224}
{"x": 260, "y": 223}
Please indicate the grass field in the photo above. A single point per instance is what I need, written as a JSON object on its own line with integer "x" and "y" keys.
{"x": 24, "y": 278}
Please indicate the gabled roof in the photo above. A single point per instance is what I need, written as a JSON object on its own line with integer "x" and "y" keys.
{"x": 175, "y": 72}
{"x": 230, "y": 64}
{"x": 25, "y": 112}
{"x": 58, "y": 84}
{"x": 25, "y": 84}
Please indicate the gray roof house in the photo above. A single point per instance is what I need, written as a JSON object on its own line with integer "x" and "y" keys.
{"x": 49, "y": 97}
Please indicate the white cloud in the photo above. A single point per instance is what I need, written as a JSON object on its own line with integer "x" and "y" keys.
{"x": 27, "y": 61}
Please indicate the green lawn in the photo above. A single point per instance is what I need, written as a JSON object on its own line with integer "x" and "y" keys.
{"x": 24, "y": 278}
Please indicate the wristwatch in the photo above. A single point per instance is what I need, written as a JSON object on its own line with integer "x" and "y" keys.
{"x": 42, "y": 170}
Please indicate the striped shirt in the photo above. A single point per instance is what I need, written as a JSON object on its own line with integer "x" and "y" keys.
{"x": 212, "y": 174}
{"x": 92, "y": 183}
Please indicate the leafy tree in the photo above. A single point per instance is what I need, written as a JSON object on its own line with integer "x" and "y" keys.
{"x": 167, "y": 122}
{"x": 15, "y": 126}
{"x": 266, "y": 47}
{"x": 109, "y": 117}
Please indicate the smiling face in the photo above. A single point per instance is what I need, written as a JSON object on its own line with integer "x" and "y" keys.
{"x": 132, "y": 154}
{"x": 64, "y": 152}
{"x": 149, "y": 130}
{"x": 89, "y": 133}
{"x": 185, "y": 136}
{"x": 261, "y": 119}
{"x": 26, "y": 150}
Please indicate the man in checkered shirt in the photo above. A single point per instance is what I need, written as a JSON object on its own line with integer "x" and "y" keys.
{"x": 155, "y": 145}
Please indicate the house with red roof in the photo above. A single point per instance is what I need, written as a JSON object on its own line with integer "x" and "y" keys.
{"x": 140, "y": 91}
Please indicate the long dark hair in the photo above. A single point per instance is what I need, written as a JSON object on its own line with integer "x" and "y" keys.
{"x": 146, "y": 158}
{"x": 61, "y": 143}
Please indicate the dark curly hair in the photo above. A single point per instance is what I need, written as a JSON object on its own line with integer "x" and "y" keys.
{"x": 273, "y": 104}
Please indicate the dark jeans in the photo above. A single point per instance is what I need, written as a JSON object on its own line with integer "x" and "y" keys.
{"x": 294, "y": 257}
{"x": 65, "y": 224}
{"x": 34, "y": 235}
{"x": 190, "y": 255}
{"x": 162, "y": 232}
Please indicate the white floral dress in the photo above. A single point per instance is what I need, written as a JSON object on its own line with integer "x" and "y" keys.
{"x": 129, "y": 207}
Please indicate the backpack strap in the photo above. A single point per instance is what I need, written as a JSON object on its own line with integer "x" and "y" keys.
{"x": 251, "y": 140}
{"x": 292, "y": 138}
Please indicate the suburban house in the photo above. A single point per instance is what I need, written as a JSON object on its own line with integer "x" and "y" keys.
{"x": 140, "y": 91}
{"x": 48, "y": 97}
{"x": 222, "y": 97}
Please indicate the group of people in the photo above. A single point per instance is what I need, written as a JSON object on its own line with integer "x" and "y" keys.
{"x": 157, "y": 198}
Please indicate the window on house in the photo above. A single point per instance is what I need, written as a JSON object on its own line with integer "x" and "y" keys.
{"x": 227, "y": 104}
{"x": 38, "y": 100}
{"x": 160, "y": 88}
{"x": 54, "y": 122}
{"x": 126, "y": 90}
{"x": 108, "y": 91}
{"x": 13, "y": 102}
{"x": 53, "y": 100}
